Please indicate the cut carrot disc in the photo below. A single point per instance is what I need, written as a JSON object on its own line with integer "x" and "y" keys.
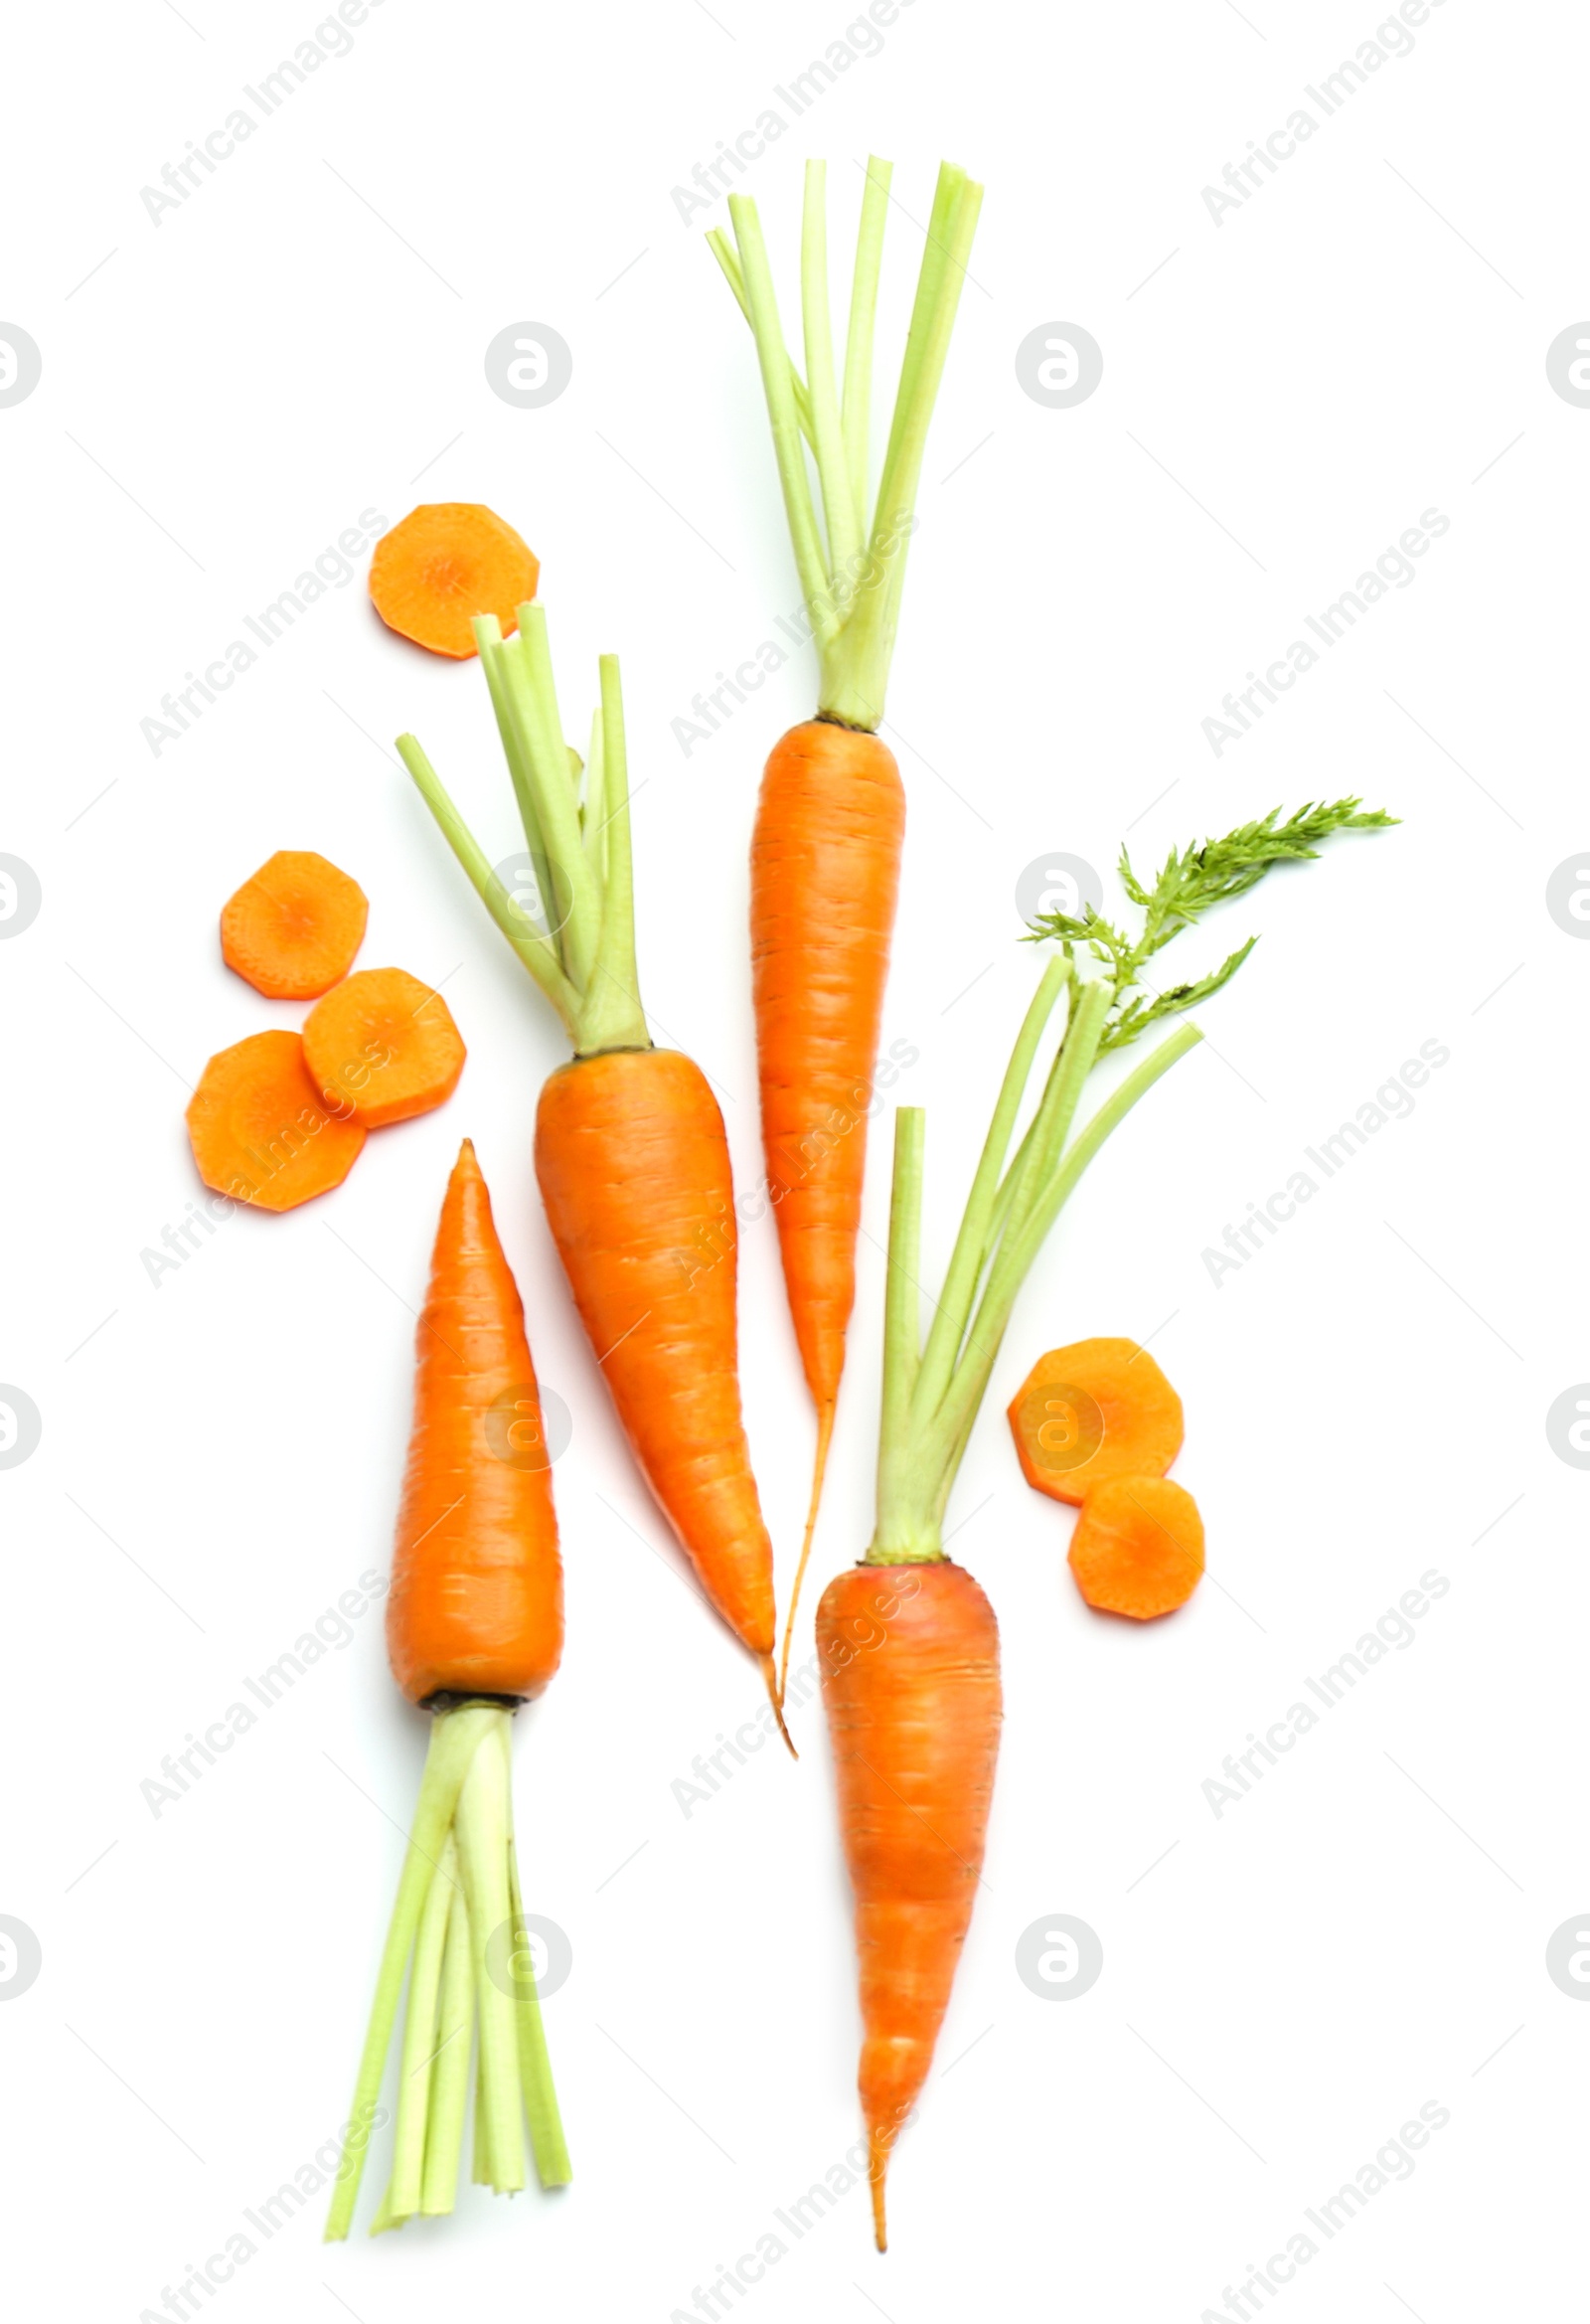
{"x": 293, "y": 929}
{"x": 1096, "y": 1410}
{"x": 444, "y": 564}
{"x": 260, "y": 1130}
{"x": 383, "y": 1045}
{"x": 1138, "y": 1547}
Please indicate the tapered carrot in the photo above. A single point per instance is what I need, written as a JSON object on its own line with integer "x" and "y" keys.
{"x": 630, "y": 1151}
{"x": 908, "y": 1645}
{"x": 831, "y": 817}
{"x": 474, "y": 1627}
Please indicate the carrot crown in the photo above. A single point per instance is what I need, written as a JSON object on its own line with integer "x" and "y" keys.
{"x": 572, "y": 921}
{"x": 932, "y": 1390}
{"x": 852, "y": 563}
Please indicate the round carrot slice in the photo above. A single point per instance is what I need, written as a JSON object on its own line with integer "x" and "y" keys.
{"x": 1138, "y": 1547}
{"x": 383, "y": 1045}
{"x": 1098, "y": 1409}
{"x": 446, "y": 562}
{"x": 260, "y": 1130}
{"x": 293, "y": 929}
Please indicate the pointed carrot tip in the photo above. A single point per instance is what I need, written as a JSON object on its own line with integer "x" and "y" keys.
{"x": 769, "y": 1680}
{"x": 466, "y": 1158}
{"x": 878, "y": 2165}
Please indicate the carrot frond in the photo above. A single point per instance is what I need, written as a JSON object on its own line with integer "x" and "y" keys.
{"x": 1187, "y": 884}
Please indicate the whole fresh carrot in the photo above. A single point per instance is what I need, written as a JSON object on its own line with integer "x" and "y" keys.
{"x": 908, "y": 1641}
{"x": 474, "y": 1627}
{"x": 831, "y": 817}
{"x": 630, "y": 1151}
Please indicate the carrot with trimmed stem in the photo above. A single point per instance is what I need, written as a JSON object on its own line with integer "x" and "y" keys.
{"x": 907, "y": 1642}
{"x": 831, "y": 817}
{"x": 474, "y": 1628}
{"x": 630, "y": 1151}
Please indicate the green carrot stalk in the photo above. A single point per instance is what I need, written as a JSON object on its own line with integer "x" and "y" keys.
{"x": 850, "y": 556}
{"x": 932, "y": 1390}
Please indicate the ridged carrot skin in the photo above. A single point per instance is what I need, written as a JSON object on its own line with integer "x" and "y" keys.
{"x": 825, "y": 876}
{"x": 477, "y": 1583}
{"x": 634, "y": 1172}
{"x": 910, "y": 1663}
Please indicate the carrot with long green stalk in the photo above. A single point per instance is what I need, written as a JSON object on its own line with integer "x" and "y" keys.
{"x": 907, "y": 1642}
{"x": 630, "y": 1151}
{"x": 831, "y": 818}
{"x": 474, "y": 1628}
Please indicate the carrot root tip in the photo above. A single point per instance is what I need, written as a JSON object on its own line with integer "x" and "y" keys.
{"x": 825, "y": 1437}
{"x": 770, "y": 1681}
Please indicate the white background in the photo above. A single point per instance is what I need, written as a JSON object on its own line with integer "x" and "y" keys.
{"x": 302, "y": 340}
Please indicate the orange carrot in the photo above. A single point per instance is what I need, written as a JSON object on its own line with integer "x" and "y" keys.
{"x": 477, "y": 1583}
{"x": 630, "y": 1150}
{"x": 260, "y": 1130}
{"x": 1096, "y": 1410}
{"x": 474, "y": 1627}
{"x": 294, "y": 928}
{"x": 383, "y": 1047}
{"x": 825, "y": 854}
{"x": 445, "y": 562}
{"x": 910, "y": 1663}
{"x": 1138, "y": 1547}
{"x": 910, "y": 1658}
{"x": 666, "y": 1330}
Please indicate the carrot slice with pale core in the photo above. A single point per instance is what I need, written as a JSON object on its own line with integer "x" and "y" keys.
{"x": 293, "y": 928}
{"x": 446, "y": 562}
{"x": 1138, "y": 1548}
{"x": 260, "y": 1129}
{"x": 382, "y": 1047}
